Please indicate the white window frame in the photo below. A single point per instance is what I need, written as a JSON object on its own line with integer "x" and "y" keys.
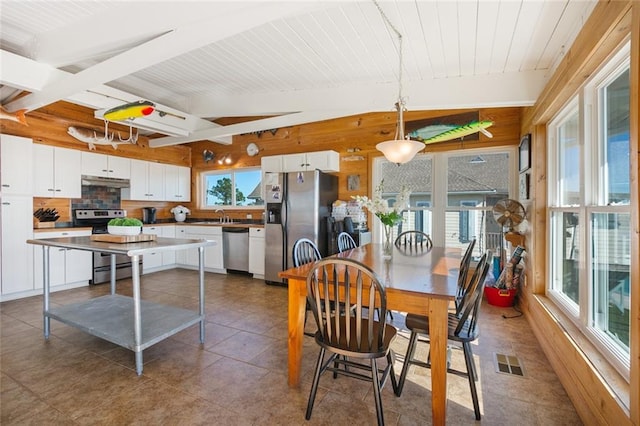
{"x": 439, "y": 208}
{"x": 593, "y": 200}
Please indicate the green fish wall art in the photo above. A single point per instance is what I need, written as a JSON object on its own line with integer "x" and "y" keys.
{"x": 443, "y": 132}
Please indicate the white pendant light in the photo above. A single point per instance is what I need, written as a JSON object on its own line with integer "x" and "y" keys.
{"x": 398, "y": 150}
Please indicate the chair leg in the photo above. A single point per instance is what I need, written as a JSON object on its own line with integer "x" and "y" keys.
{"x": 468, "y": 358}
{"x": 391, "y": 358}
{"x": 408, "y": 359}
{"x": 306, "y": 313}
{"x": 376, "y": 391}
{"x": 314, "y": 385}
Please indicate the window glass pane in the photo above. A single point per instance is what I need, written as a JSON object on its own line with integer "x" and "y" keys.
{"x": 615, "y": 125}
{"x": 414, "y": 175}
{"x": 476, "y": 225}
{"x": 565, "y": 254}
{"x": 248, "y": 188}
{"x": 610, "y": 276}
{"x": 483, "y": 178}
{"x": 568, "y": 150}
{"x": 218, "y": 189}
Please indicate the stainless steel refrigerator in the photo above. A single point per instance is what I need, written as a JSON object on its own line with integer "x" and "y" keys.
{"x": 297, "y": 206}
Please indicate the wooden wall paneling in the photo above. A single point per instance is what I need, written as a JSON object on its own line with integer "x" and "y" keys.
{"x": 163, "y": 208}
{"x": 599, "y": 394}
{"x": 62, "y": 206}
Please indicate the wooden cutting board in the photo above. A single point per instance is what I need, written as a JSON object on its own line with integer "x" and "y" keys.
{"x": 110, "y": 238}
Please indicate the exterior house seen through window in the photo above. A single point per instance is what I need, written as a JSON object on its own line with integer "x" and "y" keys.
{"x": 239, "y": 188}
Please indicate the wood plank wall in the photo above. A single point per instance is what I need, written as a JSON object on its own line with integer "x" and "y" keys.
{"x": 359, "y": 131}
{"x": 600, "y": 394}
{"x": 48, "y": 125}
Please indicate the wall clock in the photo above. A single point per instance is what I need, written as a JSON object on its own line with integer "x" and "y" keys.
{"x": 252, "y": 149}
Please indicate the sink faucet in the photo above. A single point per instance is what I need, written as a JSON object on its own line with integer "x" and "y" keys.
{"x": 222, "y": 216}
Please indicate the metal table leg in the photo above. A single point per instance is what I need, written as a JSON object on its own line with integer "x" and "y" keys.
{"x": 137, "y": 315}
{"x": 201, "y": 284}
{"x": 45, "y": 283}
{"x": 113, "y": 274}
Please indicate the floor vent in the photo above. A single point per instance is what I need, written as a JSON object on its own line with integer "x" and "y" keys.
{"x": 508, "y": 364}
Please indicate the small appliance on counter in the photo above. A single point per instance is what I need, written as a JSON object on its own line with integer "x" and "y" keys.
{"x": 180, "y": 213}
{"x": 148, "y": 215}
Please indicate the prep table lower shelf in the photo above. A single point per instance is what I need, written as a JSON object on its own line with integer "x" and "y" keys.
{"x": 111, "y": 318}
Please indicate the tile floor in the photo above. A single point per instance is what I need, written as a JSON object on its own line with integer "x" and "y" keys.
{"x": 239, "y": 376}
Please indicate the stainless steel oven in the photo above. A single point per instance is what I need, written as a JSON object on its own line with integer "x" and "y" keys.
{"x": 98, "y": 219}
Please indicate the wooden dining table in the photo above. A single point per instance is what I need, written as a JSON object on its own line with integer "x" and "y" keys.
{"x": 423, "y": 282}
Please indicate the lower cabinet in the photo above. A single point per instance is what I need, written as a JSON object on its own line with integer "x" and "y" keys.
{"x": 256, "y": 252}
{"x": 67, "y": 268}
{"x": 213, "y": 260}
{"x": 160, "y": 260}
{"x": 16, "y": 256}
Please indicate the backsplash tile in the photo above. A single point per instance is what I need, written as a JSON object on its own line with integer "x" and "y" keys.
{"x": 97, "y": 197}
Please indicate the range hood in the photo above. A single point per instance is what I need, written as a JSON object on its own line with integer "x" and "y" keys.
{"x": 105, "y": 181}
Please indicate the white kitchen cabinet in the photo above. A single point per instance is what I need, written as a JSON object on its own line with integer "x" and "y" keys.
{"x": 16, "y": 165}
{"x": 67, "y": 268}
{"x": 16, "y": 257}
{"x": 213, "y": 255}
{"x": 151, "y": 261}
{"x": 327, "y": 161}
{"x": 94, "y": 164}
{"x": 256, "y": 252}
{"x": 162, "y": 260}
{"x": 177, "y": 180}
{"x": 146, "y": 182}
{"x": 168, "y": 257}
{"x": 56, "y": 172}
{"x": 271, "y": 164}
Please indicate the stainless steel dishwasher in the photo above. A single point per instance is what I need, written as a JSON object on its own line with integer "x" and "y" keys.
{"x": 235, "y": 242}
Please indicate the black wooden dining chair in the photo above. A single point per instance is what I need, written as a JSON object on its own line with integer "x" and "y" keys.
{"x": 413, "y": 242}
{"x": 305, "y": 251}
{"x": 356, "y": 339}
{"x": 346, "y": 242}
{"x": 463, "y": 272}
{"x": 463, "y": 328}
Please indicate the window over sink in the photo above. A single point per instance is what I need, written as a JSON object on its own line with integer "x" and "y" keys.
{"x": 232, "y": 188}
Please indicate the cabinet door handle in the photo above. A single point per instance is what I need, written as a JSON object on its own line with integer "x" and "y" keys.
{"x": 105, "y": 170}
{"x": 4, "y": 185}
{"x": 58, "y": 190}
{"x": 4, "y": 203}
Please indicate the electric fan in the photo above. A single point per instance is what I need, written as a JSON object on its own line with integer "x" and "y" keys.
{"x": 508, "y": 213}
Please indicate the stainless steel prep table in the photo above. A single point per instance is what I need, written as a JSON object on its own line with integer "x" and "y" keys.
{"x": 126, "y": 321}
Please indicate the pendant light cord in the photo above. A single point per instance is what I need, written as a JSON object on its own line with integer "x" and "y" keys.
{"x": 395, "y": 30}
{"x": 400, "y": 104}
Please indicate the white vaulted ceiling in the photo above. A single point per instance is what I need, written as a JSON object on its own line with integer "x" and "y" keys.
{"x": 299, "y": 61}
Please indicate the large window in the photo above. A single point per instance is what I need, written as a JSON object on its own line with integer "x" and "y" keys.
{"x": 456, "y": 190}
{"x": 232, "y": 188}
{"x": 589, "y": 210}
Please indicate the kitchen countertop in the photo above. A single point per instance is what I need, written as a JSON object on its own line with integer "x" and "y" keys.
{"x": 66, "y": 227}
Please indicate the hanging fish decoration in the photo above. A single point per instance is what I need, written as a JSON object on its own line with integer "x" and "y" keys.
{"x": 93, "y": 138}
{"x": 129, "y": 111}
{"x": 462, "y": 131}
{"x": 17, "y": 116}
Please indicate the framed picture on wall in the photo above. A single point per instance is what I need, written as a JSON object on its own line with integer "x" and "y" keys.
{"x": 525, "y": 153}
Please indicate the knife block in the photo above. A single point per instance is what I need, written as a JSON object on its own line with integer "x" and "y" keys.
{"x": 43, "y": 225}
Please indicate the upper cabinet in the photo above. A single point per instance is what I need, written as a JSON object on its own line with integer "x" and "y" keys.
{"x": 105, "y": 165}
{"x": 56, "y": 172}
{"x": 177, "y": 181}
{"x": 327, "y": 161}
{"x": 16, "y": 165}
{"x": 147, "y": 182}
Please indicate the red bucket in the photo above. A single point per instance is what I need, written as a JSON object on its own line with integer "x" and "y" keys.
{"x": 500, "y": 296}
